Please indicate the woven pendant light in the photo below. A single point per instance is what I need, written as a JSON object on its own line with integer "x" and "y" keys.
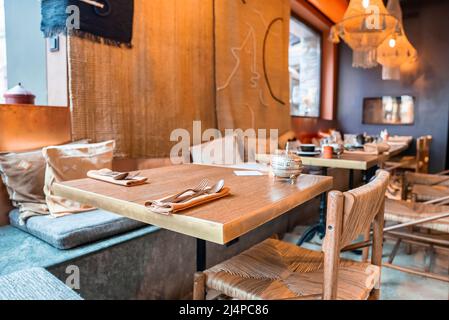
{"x": 396, "y": 49}
{"x": 365, "y": 25}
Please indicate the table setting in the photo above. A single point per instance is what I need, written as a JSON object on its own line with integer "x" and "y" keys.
{"x": 200, "y": 194}
{"x": 125, "y": 179}
{"x": 335, "y": 146}
{"x": 189, "y": 198}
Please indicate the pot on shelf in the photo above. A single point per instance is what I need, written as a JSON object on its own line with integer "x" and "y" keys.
{"x": 19, "y": 95}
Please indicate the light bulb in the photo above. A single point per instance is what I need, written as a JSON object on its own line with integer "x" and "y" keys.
{"x": 365, "y": 3}
{"x": 392, "y": 43}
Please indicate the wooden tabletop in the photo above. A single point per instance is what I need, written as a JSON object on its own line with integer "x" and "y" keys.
{"x": 397, "y": 148}
{"x": 254, "y": 201}
{"x": 345, "y": 161}
{"x": 356, "y": 161}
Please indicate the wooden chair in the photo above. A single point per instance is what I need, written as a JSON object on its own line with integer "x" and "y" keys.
{"x": 426, "y": 187}
{"x": 279, "y": 270}
{"x": 432, "y": 218}
{"x": 418, "y": 163}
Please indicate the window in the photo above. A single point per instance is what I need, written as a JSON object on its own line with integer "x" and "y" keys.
{"x": 3, "y": 74}
{"x": 26, "y": 57}
{"x": 305, "y": 70}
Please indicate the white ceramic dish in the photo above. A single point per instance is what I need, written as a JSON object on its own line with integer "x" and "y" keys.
{"x": 302, "y": 153}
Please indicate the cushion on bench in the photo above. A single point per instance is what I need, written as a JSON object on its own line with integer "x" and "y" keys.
{"x": 34, "y": 284}
{"x": 75, "y": 230}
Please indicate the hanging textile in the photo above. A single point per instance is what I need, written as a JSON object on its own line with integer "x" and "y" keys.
{"x": 111, "y": 24}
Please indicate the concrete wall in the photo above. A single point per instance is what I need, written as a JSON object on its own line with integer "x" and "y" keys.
{"x": 426, "y": 24}
{"x": 26, "y": 48}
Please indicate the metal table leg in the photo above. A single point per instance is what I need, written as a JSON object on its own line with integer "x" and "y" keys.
{"x": 351, "y": 179}
{"x": 320, "y": 227}
{"x": 200, "y": 255}
{"x": 369, "y": 174}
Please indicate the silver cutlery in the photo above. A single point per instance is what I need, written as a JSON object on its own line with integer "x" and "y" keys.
{"x": 201, "y": 186}
{"x": 115, "y": 175}
{"x": 132, "y": 177}
{"x": 208, "y": 190}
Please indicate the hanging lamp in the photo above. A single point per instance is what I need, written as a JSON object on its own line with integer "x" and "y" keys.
{"x": 396, "y": 49}
{"x": 365, "y": 25}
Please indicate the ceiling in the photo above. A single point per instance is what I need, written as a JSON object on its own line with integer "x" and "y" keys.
{"x": 333, "y": 9}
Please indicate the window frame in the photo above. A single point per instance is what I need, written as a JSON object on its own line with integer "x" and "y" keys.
{"x": 312, "y": 27}
{"x": 311, "y": 16}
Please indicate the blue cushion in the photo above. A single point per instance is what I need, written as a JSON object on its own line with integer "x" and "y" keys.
{"x": 34, "y": 284}
{"x": 77, "y": 229}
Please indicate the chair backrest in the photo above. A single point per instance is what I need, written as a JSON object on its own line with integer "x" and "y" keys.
{"x": 349, "y": 215}
{"x": 423, "y": 154}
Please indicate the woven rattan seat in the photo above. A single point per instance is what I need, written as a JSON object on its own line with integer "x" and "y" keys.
{"x": 427, "y": 179}
{"x": 423, "y": 193}
{"x": 279, "y": 270}
{"x": 403, "y": 212}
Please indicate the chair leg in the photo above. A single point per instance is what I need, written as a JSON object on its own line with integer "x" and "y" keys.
{"x": 431, "y": 255}
{"x": 374, "y": 295}
{"x": 394, "y": 251}
{"x": 199, "y": 286}
{"x": 408, "y": 246}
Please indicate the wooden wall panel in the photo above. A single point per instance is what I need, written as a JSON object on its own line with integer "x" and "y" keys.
{"x": 138, "y": 96}
{"x": 26, "y": 127}
{"x": 252, "y": 64}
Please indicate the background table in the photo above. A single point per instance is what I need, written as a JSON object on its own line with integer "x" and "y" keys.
{"x": 352, "y": 161}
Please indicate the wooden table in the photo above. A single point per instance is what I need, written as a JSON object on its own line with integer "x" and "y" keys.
{"x": 397, "y": 148}
{"x": 351, "y": 161}
{"x": 345, "y": 161}
{"x": 254, "y": 201}
{"x": 355, "y": 161}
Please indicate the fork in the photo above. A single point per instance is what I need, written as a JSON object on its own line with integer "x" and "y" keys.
{"x": 114, "y": 175}
{"x": 132, "y": 176}
{"x": 200, "y": 187}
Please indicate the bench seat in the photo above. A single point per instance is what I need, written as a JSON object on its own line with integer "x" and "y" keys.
{"x": 19, "y": 250}
{"x": 34, "y": 284}
{"x": 75, "y": 230}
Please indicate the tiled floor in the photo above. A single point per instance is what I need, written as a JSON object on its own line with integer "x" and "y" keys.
{"x": 398, "y": 285}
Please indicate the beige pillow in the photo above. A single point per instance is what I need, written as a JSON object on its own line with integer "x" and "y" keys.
{"x": 255, "y": 146}
{"x": 72, "y": 162}
{"x": 24, "y": 177}
{"x": 221, "y": 151}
